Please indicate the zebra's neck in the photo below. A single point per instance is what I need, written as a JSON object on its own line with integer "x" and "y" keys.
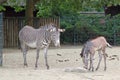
{"x": 47, "y": 37}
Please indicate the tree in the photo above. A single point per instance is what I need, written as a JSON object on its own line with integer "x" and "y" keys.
{"x": 29, "y": 11}
{"x": 58, "y": 7}
{"x": 18, "y": 6}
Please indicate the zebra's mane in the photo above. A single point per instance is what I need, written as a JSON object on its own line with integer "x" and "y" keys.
{"x": 48, "y": 26}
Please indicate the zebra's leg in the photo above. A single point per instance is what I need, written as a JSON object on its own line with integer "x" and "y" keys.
{"x": 104, "y": 55}
{"x": 91, "y": 62}
{"x": 45, "y": 55}
{"x": 37, "y": 57}
{"x": 24, "y": 50}
{"x": 100, "y": 58}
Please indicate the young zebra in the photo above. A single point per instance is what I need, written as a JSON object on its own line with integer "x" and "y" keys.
{"x": 90, "y": 47}
{"x": 39, "y": 38}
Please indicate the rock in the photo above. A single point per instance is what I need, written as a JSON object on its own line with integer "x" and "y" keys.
{"x": 77, "y": 69}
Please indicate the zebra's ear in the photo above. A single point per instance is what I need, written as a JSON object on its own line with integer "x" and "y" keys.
{"x": 61, "y": 30}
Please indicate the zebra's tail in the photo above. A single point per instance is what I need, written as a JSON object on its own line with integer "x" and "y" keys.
{"x": 109, "y": 45}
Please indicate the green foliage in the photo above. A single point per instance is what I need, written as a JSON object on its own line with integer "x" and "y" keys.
{"x": 56, "y": 7}
{"x": 97, "y": 5}
{"x": 18, "y": 8}
{"x": 79, "y": 28}
{"x": 2, "y": 8}
{"x": 44, "y": 9}
{"x": 48, "y": 8}
{"x": 18, "y": 5}
{"x": 85, "y": 27}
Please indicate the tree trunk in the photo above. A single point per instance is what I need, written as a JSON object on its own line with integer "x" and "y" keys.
{"x": 29, "y": 12}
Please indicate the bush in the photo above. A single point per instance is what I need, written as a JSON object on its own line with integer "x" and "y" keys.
{"x": 80, "y": 28}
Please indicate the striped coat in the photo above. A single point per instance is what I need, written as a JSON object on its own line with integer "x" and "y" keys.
{"x": 39, "y": 38}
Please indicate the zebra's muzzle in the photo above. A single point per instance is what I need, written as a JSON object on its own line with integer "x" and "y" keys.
{"x": 57, "y": 45}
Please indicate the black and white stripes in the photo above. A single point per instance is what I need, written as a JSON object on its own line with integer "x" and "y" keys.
{"x": 39, "y": 38}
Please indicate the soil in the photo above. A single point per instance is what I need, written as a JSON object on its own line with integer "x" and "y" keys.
{"x": 65, "y": 64}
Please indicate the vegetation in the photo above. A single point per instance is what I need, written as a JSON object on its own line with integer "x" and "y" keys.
{"x": 58, "y": 7}
{"x": 78, "y": 26}
{"x": 85, "y": 27}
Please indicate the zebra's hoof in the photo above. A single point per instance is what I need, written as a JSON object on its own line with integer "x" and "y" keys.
{"x": 104, "y": 69}
{"x": 47, "y": 67}
{"x": 92, "y": 70}
{"x": 96, "y": 69}
{"x": 25, "y": 65}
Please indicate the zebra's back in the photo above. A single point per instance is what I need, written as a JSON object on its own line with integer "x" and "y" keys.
{"x": 33, "y": 37}
{"x": 27, "y": 34}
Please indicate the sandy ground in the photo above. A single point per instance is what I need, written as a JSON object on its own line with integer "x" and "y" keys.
{"x": 60, "y": 61}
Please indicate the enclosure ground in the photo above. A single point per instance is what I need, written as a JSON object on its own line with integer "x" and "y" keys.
{"x": 59, "y": 59}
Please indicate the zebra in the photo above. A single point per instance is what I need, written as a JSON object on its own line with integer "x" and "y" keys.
{"x": 90, "y": 47}
{"x": 40, "y": 39}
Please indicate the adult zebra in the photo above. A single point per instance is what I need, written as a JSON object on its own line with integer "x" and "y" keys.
{"x": 39, "y": 38}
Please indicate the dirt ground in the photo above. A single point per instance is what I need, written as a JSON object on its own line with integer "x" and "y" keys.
{"x": 63, "y": 63}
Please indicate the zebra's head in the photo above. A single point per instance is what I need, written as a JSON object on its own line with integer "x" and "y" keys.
{"x": 85, "y": 60}
{"x": 84, "y": 56}
{"x": 55, "y": 35}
